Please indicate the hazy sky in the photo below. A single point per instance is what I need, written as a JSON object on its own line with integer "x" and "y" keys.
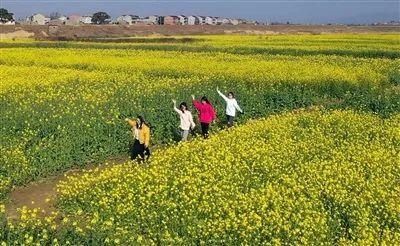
{"x": 299, "y": 11}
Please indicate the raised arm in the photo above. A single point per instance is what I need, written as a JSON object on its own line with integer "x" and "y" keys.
{"x": 175, "y": 108}
{"x": 131, "y": 122}
{"x": 222, "y": 95}
{"x": 196, "y": 104}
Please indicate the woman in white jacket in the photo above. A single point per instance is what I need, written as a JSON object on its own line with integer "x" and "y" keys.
{"x": 231, "y": 107}
{"x": 186, "y": 119}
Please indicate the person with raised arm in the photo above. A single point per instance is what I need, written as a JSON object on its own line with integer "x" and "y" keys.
{"x": 141, "y": 134}
{"x": 231, "y": 107}
{"x": 186, "y": 120}
{"x": 206, "y": 114}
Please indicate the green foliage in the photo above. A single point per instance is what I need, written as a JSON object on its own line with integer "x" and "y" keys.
{"x": 100, "y": 18}
{"x": 67, "y": 108}
{"x": 5, "y": 16}
{"x": 301, "y": 178}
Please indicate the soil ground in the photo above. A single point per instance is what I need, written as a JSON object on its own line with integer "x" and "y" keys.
{"x": 41, "y": 194}
{"x": 65, "y": 32}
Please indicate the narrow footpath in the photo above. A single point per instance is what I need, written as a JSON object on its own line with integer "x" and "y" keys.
{"x": 41, "y": 194}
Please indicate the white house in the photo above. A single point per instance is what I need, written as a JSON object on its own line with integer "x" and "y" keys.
{"x": 202, "y": 20}
{"x": 86, "y": 19}
{"x": 38, "y": 19}
{"x": 144, "y": 21}
{"x": 127, "y": 19}
{"x": 8, "y": 23}
{"x": 223, "y": 21}
{"x": 252, "y": 22}
{"x": 63, "y": 18}
{"x": 234, "y": 22}
{"x": 171, "y": 20}
{"x": 193, "y": 20}
{"x": 73, "y": 20}
{"x": 242, "y": 21}
{"x": 211, "y": 20}
{"x": 183, "y": 20}
{"x": 155, "y": 19}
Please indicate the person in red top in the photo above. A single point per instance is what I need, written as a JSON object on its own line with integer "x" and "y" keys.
{"x": 206, "y": 114}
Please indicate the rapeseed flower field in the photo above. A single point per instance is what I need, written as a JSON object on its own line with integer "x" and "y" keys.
{"x": 320, "y": 177}
{"x": 315, "y": 159}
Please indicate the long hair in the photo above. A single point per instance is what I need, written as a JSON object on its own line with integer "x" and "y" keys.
{"x": 142, "y": 121}
{"x": 145, "y": 122}
{"x": 233, "y": 95}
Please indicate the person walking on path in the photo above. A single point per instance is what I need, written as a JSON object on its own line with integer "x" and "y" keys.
{"x": 231, "y": 107}
{"x": 206, "y": 114}
{"x": 186, "y": 120}
{"x": 141, "y": 134}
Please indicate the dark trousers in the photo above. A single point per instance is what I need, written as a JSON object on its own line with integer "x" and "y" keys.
{"x": 204, "y": 129}
{"x": 230, "y": 119}
{"x": 147, "y": 152}
{"x": 139, "y": 149}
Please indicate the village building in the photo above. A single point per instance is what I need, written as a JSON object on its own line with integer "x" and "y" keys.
{"x": 73, "y": 20}
{"x": 234, "y": 22}
{"x": 202, "y": 20}
{"x": 226, "y": 21}
{"x": 127, "y": 19}
{"x": 183, "y": 20}
{"x": 256, "y": 23}
{"x": 156, "y": 19}
{"x": 211, "y": 20}
{"x": 8, "y": 23}
{"x": 63, "y": 18}
{"x": 38, "y": 19}
{"x": 242, "y": 21}
{"x": 86, "y": 19}
{"x": 223, "y": 21}
{"x": 193, "y": 20}
{"x": 171, "y": 20}
{"x": 144, "y": 21}
{"x": 60, "y": 20}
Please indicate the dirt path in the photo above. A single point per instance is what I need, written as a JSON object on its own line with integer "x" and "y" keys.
{"x": 41, "y": 194}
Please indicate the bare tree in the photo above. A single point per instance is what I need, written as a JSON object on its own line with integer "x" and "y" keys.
{"x": 55, "y": 15}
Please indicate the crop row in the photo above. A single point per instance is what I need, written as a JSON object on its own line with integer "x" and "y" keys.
{"x": 367, "y": 46}
{"x": 320, "y": 177}
{"x": 64, "y": 107}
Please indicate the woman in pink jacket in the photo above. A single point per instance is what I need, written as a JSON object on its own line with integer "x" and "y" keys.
{"x": 206, "y": 114}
